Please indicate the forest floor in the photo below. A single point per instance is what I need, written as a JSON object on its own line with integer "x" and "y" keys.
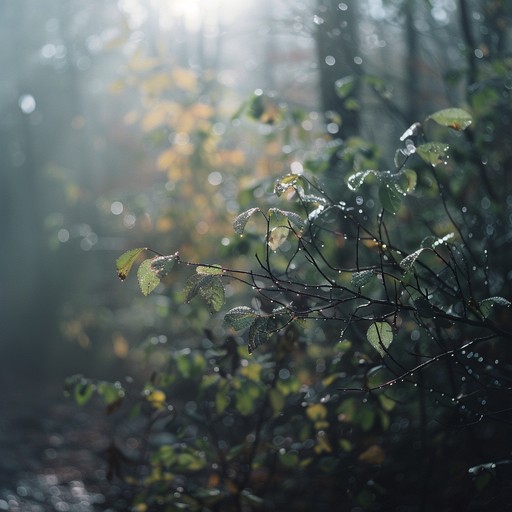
{"x": 52, "y": 452}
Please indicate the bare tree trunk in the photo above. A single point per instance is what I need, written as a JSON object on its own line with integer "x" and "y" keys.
{"x": 337, "y": 50}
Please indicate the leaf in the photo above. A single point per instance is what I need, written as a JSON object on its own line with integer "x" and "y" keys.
{"x": 356, "y": 180}
{"x": 258, "y": 334}
{"x": 292, "y": 217}
{"x": 111, "y": 392}
{"x": 390, "y": 198}
{"x": 295, "y": 181}
{"x": 455, "y": 118}
{"x": 433, "y": 153}
{"x": 125, "y": 261}
{"x": 240, "y": 317}
{"x": 486, "y": 305}
{"x": 316, "y": 412}
{"x": 277, "y": 237}
{"x": 148, "y": 278}
{"x": 424, "y": 308}
{"x": 209, "y": 287}
{"x": 380, "y": 336}
{"x": 241, "y": 220}
{"x": 210, "y": 270}
{"x": 359, "y": 279}
{"x": 344, "y": 86}
{"x": 162, "y": 265}
{"x": 406, "y": 181}
{"x": 408, "y": 262}
{"x": 83, "y": 392}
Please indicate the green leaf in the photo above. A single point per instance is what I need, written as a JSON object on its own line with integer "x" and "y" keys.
{"x": 125, "y": 261}
{"x": 433, "y": 153}
{"x": 356, "y": 180}
{"x": 162, "y": 265}
{"x": 424, "y": 308}
{"x": 486, "y": 305}
{"x": 380, "y": 336}
{"x": 111, "y": 392}
{"x": 408, "y": 262}
{"x": 390, "y": 198}
{"x": 455, "y": 118}
{"x": 406, "y": 181}
{"x": 258, "y": 333}
{"x": 344, "y": 86}
{"x": 148, "y": 279}
{"x": 293, "y": 217}
{"x": 240, "y": 317}
{"x": 211, "y": 270}
{"x": 209, "y": 287}
{"x": 359, "y": 279}
{"x": 295, "y": 181}
{"x": 241, "y": 220}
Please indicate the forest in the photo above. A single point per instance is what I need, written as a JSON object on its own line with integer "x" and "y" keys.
{"x": 262, "y": 253}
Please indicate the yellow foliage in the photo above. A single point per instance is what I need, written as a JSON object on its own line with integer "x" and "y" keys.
{"x": 373, "y": 455}
{"x": 154, "y": 119}
{"x": 131, "y": 117}
{"x": 316, "y": 412}
{"x": 120, "y": 344}
{"x": 164, "y": 224}
{"x": 156, "y": 84}
{"x": 166, "y": 159}
{"x": 156, "y": 398}
{"x": 185, "y": 79}
{"x": 251, "y": 371}
{"x": 322, "y": 443}
{"x": 141, "y": 62}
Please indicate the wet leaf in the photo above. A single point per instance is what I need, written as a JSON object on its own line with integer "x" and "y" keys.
{"x": 359, "y": 279}
{"x": 424, "y": 308}
{"x": 212, "y": 270}
{"x": 148, "y": 278}
{"x": 125, "y": 261}
{"x": 390, "y": 198}
{"x": 455, "y": 118}
{"x": 277, "y": 237}
{"x": 292, "y": 217}
{"x": 209, "y": 287}
{"x": 241, "y": 220}
{"x": 433, "y": 153}
{"x": 380, "y": 336}
{"x": 487, "y": 304}
{"x": 295, "y": 181}
{"x": 162, "y": 265}
{"x": 408, "y": 262}
{"x": 357, "y": 179}
{"x": 258, "y": 334}
{"x": 240, "y": 317}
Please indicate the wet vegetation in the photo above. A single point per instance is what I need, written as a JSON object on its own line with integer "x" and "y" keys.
{"x": 308, "y": 208}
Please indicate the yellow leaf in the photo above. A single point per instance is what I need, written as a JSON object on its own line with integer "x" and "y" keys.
{"x": 154, "y": 119}
{"x": 121, "y": 347}
{"x": 316, "y": 412}
{"x": 251, "y": 371}
{"x": 156, "y": 398}
{"x": 373, "y": 455}
{"x": 184, "y": 78}
{"x": 166, "y": 159}
{"x": 322, "y": 443}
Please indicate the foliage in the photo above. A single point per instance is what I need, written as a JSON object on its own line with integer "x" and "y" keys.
{"x": 378, "y": 322}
